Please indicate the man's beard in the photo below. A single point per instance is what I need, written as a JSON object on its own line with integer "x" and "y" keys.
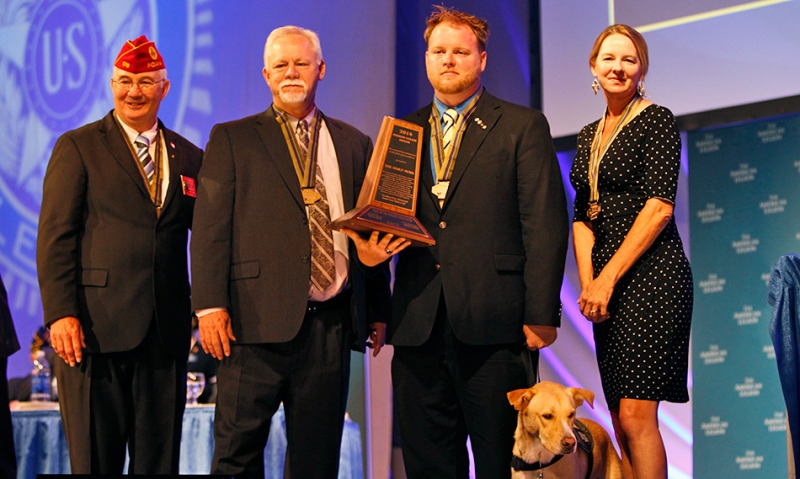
{"x": 292, "y": 97}
{"x": 464, "y": 81}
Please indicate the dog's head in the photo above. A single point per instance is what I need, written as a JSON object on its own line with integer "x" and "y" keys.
{"x": 547, "y": 413}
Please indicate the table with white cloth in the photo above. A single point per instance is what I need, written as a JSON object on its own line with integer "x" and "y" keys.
{"x": 42, "y": 448}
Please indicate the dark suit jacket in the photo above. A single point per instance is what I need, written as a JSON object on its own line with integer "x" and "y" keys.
{"x": 251, "y": 247}
{"x": 103, "y": 254}
{"x": 501, "y": 236}
{"x": 8, "y": 337}
{"x": 8, "y": 345}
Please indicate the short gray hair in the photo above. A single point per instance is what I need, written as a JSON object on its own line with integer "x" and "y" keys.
{"x": 117, "y": 72}
{"x": 280, "y": 32}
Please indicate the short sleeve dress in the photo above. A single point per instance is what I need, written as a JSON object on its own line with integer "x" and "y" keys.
{"x": 643, "y": 348}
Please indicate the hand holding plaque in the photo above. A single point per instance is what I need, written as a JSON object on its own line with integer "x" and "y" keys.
{"x": 388, "y": 199}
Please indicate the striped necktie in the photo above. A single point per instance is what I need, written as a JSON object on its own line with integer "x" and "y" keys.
{"x": 323, "y": 270}
{"x": 143, "y": 151}
{"x": 449, "y": 119}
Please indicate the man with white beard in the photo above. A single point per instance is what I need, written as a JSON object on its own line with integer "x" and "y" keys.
{"x": 280, "y": 298}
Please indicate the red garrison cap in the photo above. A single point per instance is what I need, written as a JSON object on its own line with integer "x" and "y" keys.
{"x": 139, "y": 56}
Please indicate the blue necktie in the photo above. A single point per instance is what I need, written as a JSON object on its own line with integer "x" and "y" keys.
{"x": 449, "y": 118}
{"x": 143, "y": 151}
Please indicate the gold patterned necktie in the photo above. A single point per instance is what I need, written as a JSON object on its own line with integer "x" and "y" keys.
{"x": 143, "y": 151}
{"x": 449, "y": 119}
{"x": 323, "y": 271}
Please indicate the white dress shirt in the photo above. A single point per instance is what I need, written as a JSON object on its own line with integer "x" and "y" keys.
{"x": 151, "y": 135}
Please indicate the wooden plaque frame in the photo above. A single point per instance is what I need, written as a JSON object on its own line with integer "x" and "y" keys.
{"x": 388, "y": 199}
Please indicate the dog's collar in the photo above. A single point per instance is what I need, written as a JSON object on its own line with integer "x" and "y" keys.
{"x": 585, "y": 442}
{"x": 519, "y": 464}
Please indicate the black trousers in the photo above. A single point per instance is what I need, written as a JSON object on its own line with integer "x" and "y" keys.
{"x": 135, "y": 399}
{"x": 310, "y": 374}
{"x": 446, "y": 391}
{"x": 8, "y": 455}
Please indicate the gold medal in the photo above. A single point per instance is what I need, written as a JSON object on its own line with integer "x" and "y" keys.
{"x": 594, "y": 210}
{"x": 440, "y": 189}
{"x": 310, "y": 196}
{"x": 598, "y": 150}
{"x": 444, "y": 160}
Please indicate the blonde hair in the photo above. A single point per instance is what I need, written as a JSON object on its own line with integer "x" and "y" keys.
{"x": 632, "y": 34}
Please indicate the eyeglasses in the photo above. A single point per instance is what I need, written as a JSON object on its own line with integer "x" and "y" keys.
{"x": 145, "y": 86}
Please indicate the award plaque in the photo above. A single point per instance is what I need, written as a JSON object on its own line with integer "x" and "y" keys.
{"x": 388, "y": 199}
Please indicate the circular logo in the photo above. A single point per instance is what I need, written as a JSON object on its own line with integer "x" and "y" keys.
{"x": 64, "y": 58}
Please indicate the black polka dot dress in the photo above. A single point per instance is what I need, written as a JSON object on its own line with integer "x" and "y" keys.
{"x": 643, "y": 348}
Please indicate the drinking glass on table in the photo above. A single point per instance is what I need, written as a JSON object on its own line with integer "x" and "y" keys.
{"x": 195, "y": 384}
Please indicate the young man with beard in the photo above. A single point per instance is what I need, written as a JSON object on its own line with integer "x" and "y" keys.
{"x": 281, "y": 299}
{"x": 470, "y": 313}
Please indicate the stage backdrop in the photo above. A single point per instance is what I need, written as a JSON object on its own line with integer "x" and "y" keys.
{"x": 745, "y": 205}
{"x": 55, "y": 58}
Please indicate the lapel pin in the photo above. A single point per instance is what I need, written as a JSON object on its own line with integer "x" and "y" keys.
{"x": 480, "y": 122}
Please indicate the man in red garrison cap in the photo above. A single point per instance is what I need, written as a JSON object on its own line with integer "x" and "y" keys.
{"x": 117, "y": 206}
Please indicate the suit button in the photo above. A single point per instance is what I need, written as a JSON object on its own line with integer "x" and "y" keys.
{"x": 305, "y": 259}
{"x": 442, "y": 225}
{"x": 305, "y": 220}
{"x": 438, "y": 267}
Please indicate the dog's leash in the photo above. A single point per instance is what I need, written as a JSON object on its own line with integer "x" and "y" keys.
{"x": 531, "y": 361}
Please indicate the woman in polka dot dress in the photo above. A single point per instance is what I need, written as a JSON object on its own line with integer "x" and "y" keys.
{"x": 636, "y": 283}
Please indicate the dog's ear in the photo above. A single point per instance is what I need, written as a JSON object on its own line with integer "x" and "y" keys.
{"x": 579, "y": 395}
{"x": 520, "y": 398}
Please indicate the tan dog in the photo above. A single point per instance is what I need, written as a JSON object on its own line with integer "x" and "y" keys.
{"x": 545, "y": 443}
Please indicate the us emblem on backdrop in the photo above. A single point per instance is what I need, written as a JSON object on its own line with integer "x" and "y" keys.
{"x": 56, "y": 60}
